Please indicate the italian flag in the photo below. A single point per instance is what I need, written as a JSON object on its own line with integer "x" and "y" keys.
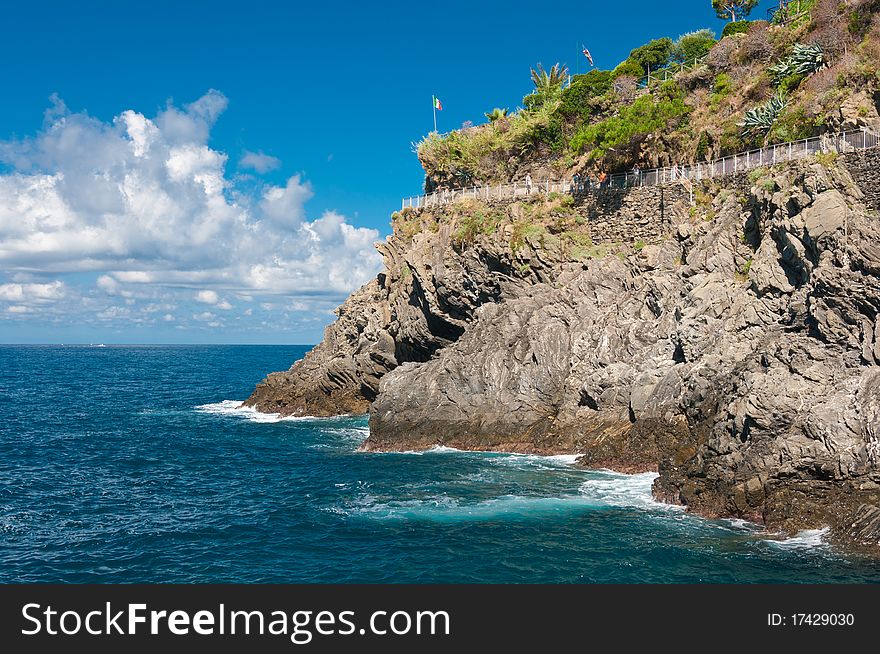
{"x": 437, "y": 104}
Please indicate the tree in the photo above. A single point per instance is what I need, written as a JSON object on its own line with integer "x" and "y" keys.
{"x": 693, "y": 45}
{"x": 730, "y": 9}
{"x": 549, "y": 81}
{"x": 652, "y": 55}
{"x": 496, "y": 114}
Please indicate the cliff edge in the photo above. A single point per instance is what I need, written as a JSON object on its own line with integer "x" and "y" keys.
{"x": 735, "y": 349}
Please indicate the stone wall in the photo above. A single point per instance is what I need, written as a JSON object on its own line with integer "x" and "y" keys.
{"x": 633, "y": 214}
{"x": 864, "y": 167}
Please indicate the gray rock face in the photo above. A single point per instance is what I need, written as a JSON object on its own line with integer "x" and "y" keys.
{"x": 739, "y": 360}
{"x": 423, "y": 301}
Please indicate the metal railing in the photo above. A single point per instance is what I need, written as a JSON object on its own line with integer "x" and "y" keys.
{"x": 773, "y": 154}
{"x": 672, "y": 71}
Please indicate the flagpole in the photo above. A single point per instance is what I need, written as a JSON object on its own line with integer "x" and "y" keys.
{"x": 434, "y": 107}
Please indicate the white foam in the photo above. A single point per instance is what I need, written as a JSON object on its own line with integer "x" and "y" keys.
{"x": 807, "y": 539}
{"x": 616, "y": 489}
{"x": 437, "y": 449}
{"x": 741, "y": 525}
{"x": 604, "y": 489}
{"x": 496, "y": 457}
{"x": 553, "y": 459}
{"x": 442, "y": 508}
{"x": 234, "y": 408}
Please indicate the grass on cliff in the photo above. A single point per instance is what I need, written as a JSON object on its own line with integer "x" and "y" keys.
{"x": 477, "y": 222}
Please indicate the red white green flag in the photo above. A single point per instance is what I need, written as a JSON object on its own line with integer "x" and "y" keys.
{"x": 588, "y": 55}
{"x": 437, "y": 104}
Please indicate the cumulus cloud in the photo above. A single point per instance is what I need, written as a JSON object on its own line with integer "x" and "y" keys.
{"x": 32, "y": 292}
{"x": 142, "y": 208}
{"x": 207, "y": 297}
{"x": 258, "y": 162}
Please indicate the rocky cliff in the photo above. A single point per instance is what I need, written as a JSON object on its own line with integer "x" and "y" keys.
{"x": 736, "y": 352}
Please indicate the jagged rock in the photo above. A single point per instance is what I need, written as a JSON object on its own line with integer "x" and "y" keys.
{"x": 424, "y": 300}
{"x": 739, "y": 359}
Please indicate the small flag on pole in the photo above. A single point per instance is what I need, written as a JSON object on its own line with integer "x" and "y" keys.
{"x": 588, "y": 56}
{"x": 437, "y": 104}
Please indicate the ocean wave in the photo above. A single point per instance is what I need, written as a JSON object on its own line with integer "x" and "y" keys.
{"x": 620, "y": 490}
{"x": 536, "y": 460}
{"x": 738, "y": 524}
{"x": 442, "y": 508}
{"x": 234, "y": 408}
{"x": 501, "y": 458}
{"x": 807, "y": 539}
{"x": 605, "y": 489}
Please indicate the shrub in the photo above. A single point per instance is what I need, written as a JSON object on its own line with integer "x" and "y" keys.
{"x": 576, "y": 99}
{"x": 737, "y": 27}
{"x": 703, "y": 144}
{"x": 625, "y": 87}
{"x": 790, "y": 82}
{"x": 756, "y": 45}
{"x": 476, "y": 223}
{"x": 692, "y": 46}
{"x": 720, "y": 90}
{"x": 647, "y": 114}
{"x": 826, "y": 159}
{"x": 858, "y": 23}
{"x": 652, "y": 55}
{"x": 795, "y": 124}
{"x": 722, "y": 54}
{"x": 525, "y": 232}
{"x": 628, "y": 68}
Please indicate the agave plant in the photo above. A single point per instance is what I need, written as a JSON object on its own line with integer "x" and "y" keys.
{"x": 780, "y": 70}
{"x": 760, "y": 120}
{"x": 803, "y": 60}
{"x": 807, "y": 59}
{"x": 549, "y": 80}
{"x": 496, "y": 114}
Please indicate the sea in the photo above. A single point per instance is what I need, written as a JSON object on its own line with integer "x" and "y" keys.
{"x": 131, "y": 464}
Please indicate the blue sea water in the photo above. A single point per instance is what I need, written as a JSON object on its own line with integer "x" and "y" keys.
{"x": 133, "y": 464}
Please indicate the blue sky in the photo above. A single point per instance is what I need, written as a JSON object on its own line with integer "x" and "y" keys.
{"x": 258, "y": 148}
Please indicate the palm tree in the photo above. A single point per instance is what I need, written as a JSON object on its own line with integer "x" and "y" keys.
{"x": 549, "y": 80}
{"x": 496, "y": 114}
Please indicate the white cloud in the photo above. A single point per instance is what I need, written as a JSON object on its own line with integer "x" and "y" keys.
{"x": 258, "y": 161}
{"x": 32, "y": 292}
{"x": 111, "y": 313}
{"x": 142, "y": 208}
{"x": 284, "y": 206}
{"x": 207, "y": 297}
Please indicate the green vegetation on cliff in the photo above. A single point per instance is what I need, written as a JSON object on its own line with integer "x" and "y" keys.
{"x": 813, "y": 69}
